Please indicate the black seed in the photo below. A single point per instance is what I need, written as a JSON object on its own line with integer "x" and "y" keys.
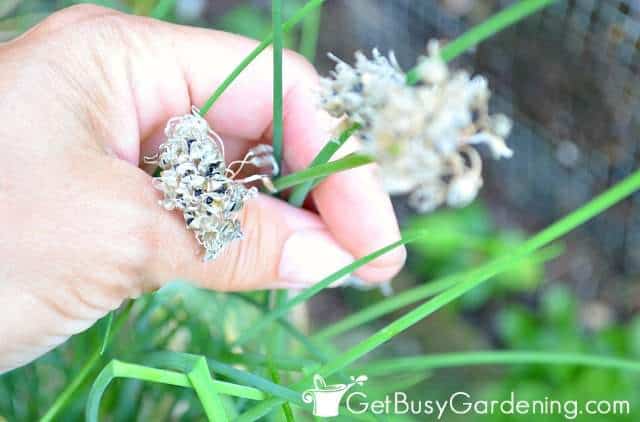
{"x": 209, "y": 200}
{"x": 221, "y": 189}
{"x": 211, "y": 169}
{"x": 189, "y": 221}
{"x": 197, "y": 192}
{"x": 189, "y": 142}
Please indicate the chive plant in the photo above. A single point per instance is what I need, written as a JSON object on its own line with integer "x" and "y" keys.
{"x": 265, "y": 389}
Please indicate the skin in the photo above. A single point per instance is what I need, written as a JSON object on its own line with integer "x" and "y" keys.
{"x": 83, "y": 97}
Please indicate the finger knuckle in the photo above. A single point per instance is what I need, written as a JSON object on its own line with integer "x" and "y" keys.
{"x": 301, "y": 67}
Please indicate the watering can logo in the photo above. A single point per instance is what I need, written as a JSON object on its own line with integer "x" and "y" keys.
{"x": 326, "y": 398}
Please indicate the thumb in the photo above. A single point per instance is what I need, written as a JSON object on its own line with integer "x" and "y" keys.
{"x": 282, "y": 247}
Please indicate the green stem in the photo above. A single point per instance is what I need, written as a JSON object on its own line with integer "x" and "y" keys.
{"x": 162, "y": 9}
{"x": 202, "y": 383}
{"x": 322, "y": 170}
{"x": 276, "y": 16}
{"x": 299, "y": 194}
{"x": 273, "y": 315}
{"x": 509, "y": 357}
{"x": 286, "y": 407}
{"x": 313, "y": 348}
{"x": 409, "y": 297}
{"x": 286, "y": 27}
{"x": 486, "y": 29}
{"x": 65, "y": 397}
{"x": 310, "y": 32}
{"x": 107, "y": 332}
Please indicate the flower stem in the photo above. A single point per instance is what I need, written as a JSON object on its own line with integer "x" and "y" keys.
{"x": 501, "y": 357}
{"x": 486, "y": 29}
{"x": 276, "y": 16}
{"x": 286, "y": 27}
{"x": 299, "y": 194}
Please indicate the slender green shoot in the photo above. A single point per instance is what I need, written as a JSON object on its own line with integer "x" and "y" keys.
{"x": 299, "y": 194}
{"x": 276, "y": 17}
{"x": 197, "y": 376}
{"x": 322, "y": 170}
{"x": 485, "y": 30}
{"x": 202, "y": 383}
{"x": 70, "y": 390}
{"x": 269, "y": 318}
{"x": 286, "y": 27}
{"x": 310, "y": 33}
{"x": 286, "y": 407}
{"x": 107, "y": 332}
{"x": 411, "y": 296}
{"x": 314, "y": 349}
{"x": 162, "y": 9}
{"x": 493, "y": 357}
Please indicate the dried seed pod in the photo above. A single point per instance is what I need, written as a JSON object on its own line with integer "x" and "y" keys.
{"x": 196, "y": 180}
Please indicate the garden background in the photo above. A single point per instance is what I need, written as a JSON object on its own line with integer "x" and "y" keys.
{"x": 568, "y": 75}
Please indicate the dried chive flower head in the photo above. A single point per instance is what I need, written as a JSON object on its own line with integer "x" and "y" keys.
{"x": 195, "y": 179}
{"x": 422, "y": 136}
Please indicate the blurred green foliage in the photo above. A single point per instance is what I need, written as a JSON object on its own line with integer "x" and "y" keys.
{"x": 464, "y": 238}
{"x": 555, "y": 325}
{"x": 184, "y": 318}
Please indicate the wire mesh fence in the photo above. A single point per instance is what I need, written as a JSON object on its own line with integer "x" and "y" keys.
{"x": 569, "y": 76}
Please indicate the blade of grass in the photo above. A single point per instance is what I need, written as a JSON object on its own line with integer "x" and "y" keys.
{"x": 273, "y": 315}
{"x": 300, "y": 192}
{"x": 284, "y": 393}
{"x": 176, "y": 360}
{"x": 66, "y": 396}
{"x": 314, "y": 349}
{"x": 309, "y": 36}
{"x": 495, "y": 357}
{"x": 286, "y": 407}
{"x": 197, "y": 377}
{"x": 486, "y": 29}
{"x": 321, "y": 170}
{"x": 276, "y": 18}
{"x": 256, "y": 359}
{"x": 411, "y": 296}
{"x": 116, "y": 369}
{"x": 162, "y": 9}
{"x": 255, "y": 381}
{"x": 201, "y": 381}
{"x": 107, "y": 332}
{"x": 594, "y": 207}
{"x": 286, "y": 27}
{"x": 280, "y": 296}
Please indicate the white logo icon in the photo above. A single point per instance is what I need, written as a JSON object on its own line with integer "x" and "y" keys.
{"x": 326, "y": 398}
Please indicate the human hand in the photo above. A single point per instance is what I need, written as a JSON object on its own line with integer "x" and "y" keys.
{"x": 83, "y": 97}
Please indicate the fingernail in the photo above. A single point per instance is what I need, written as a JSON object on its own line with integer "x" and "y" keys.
{"x": 309, "y": 256}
